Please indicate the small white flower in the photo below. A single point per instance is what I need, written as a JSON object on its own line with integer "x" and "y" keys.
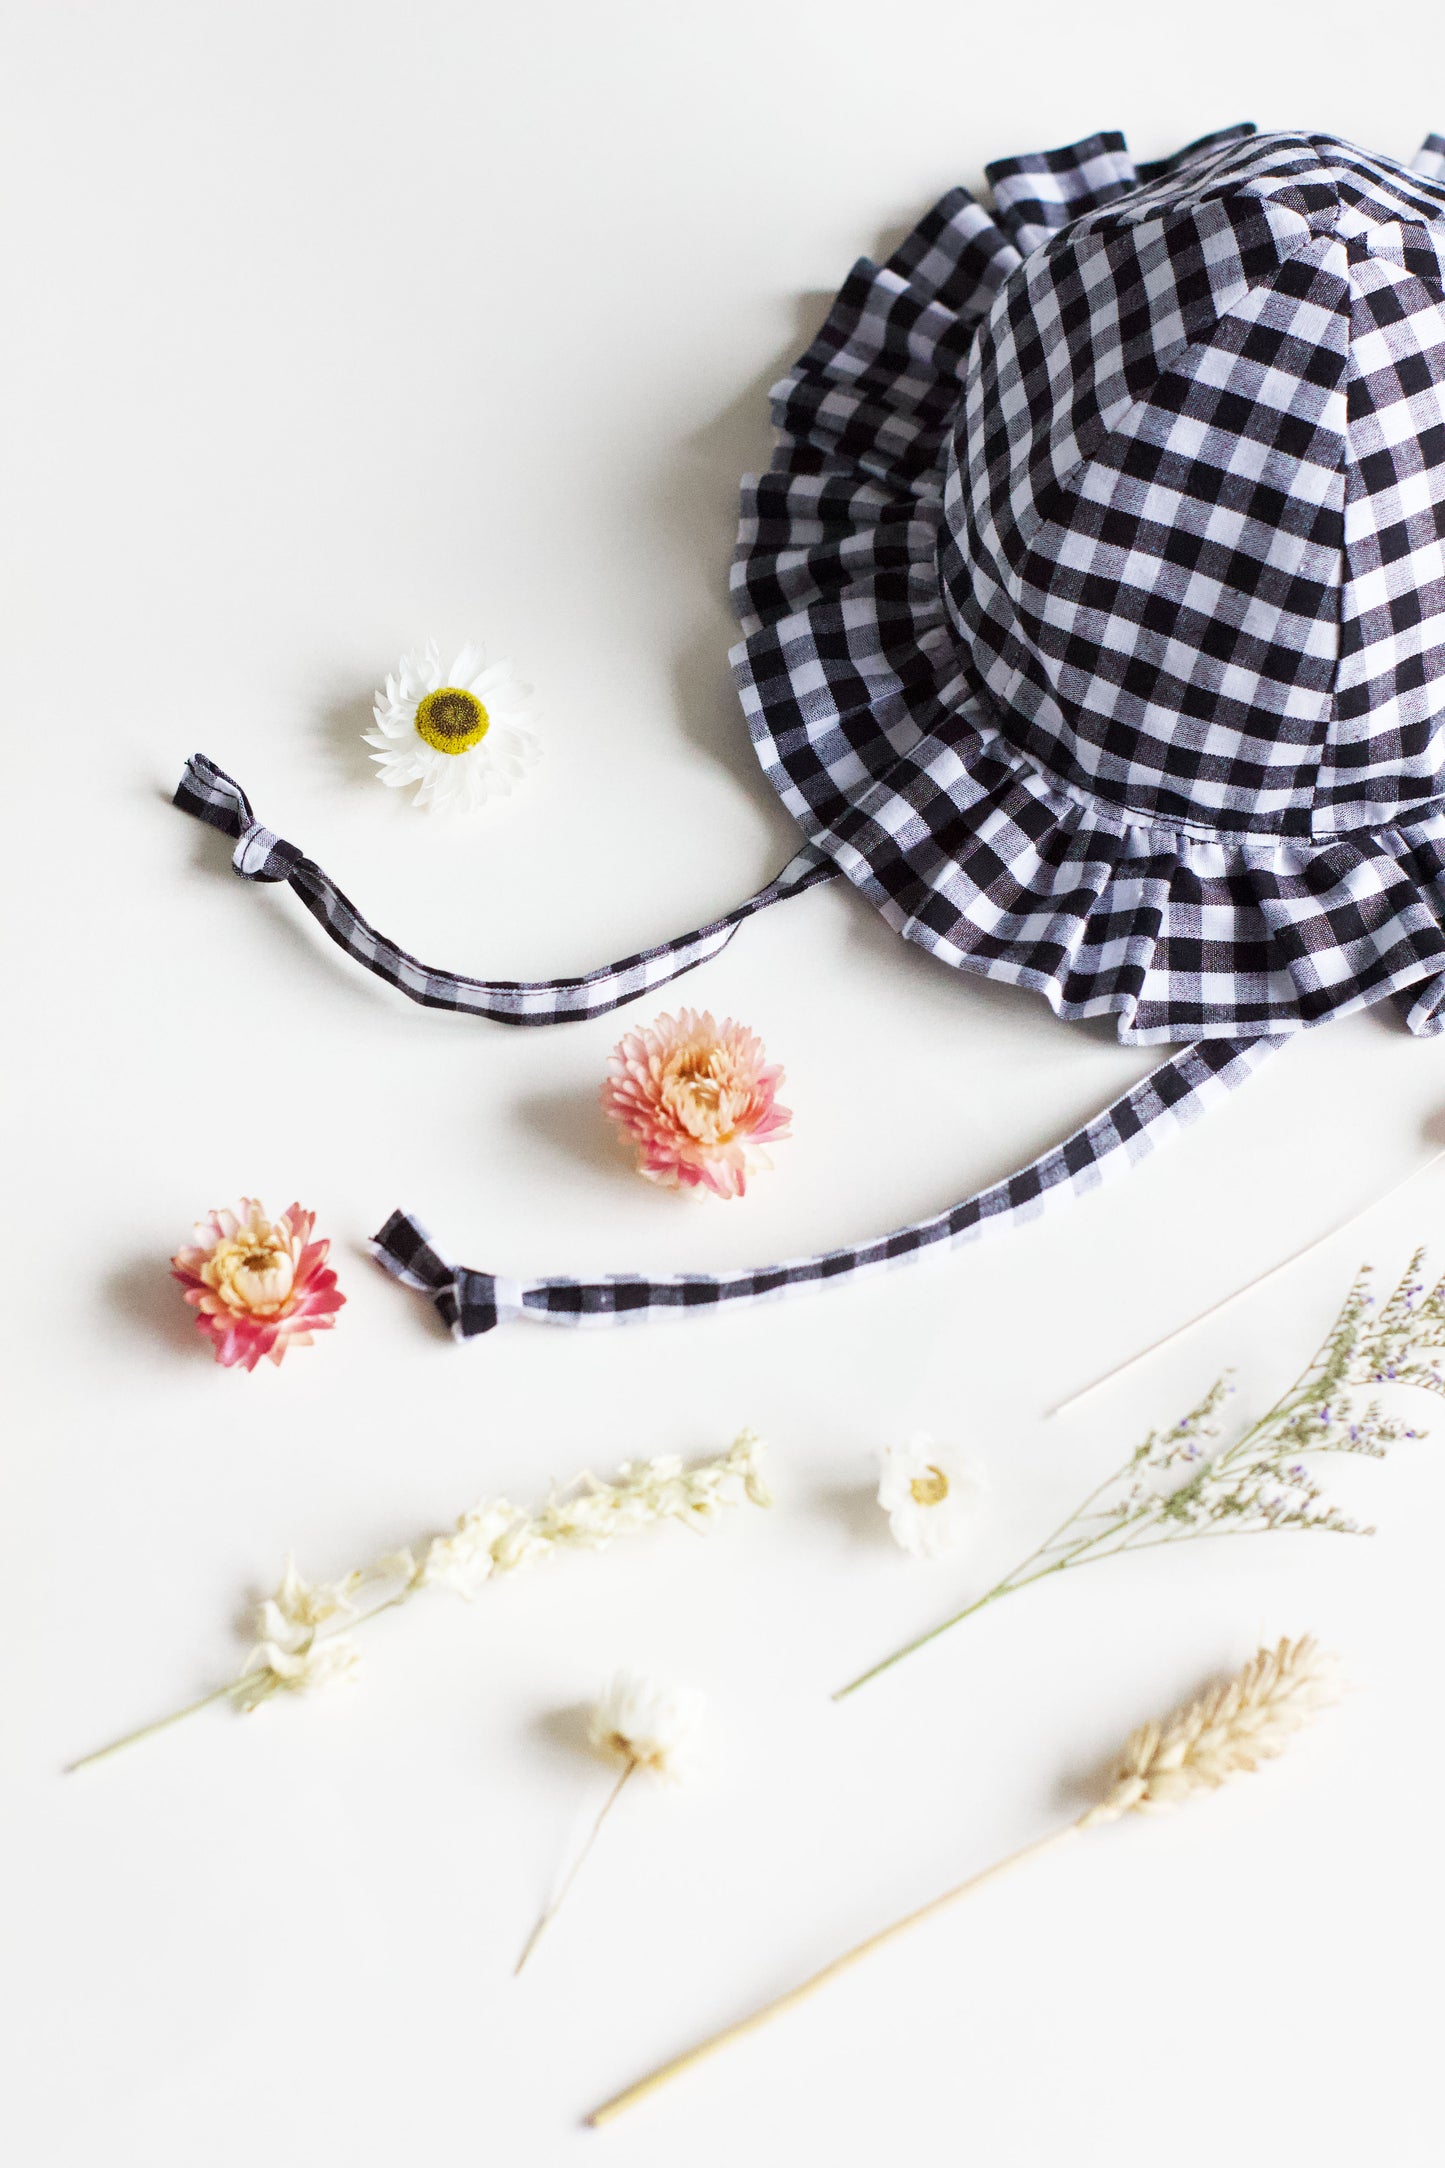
{"x": 463, "y": 1560}
{"x": 929, "y": 1492}
{"x": 292, "y": 1615}
{"x": 462, "y": 734}
{"x": 271, "y": 1670}
{"x": 650, "y": 1726}
{"x": 393, "y": 1566}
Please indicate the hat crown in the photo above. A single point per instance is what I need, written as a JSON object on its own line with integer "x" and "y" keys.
{"x": 1195, "y": 502}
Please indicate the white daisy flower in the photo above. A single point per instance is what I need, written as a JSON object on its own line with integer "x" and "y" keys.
{"x": 461, "y": 734}
{"x": 930, "y": 1492}
{"x": 650, "y": 1726}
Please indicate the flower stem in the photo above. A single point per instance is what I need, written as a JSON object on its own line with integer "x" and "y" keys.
{"x": 572, "y": 1873}
{"x": 679, "y": 2063}
{"x": 161, "y": 1723}
{"x": 1003, "y": 1588}
{"x": 1083, "y": 1552}
{"x": 222, "y": 1693}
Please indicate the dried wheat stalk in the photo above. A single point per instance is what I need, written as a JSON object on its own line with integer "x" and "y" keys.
{"x": 1226, "y": 1731}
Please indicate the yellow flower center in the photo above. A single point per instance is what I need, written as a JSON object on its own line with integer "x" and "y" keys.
{"x": 254, "y": 1273}
{"x": 702, "y": 1096}
{"x": 930, "y": 1488}
{"x": 451, "y": 721}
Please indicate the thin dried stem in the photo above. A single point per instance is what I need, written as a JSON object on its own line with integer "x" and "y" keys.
{"x": 574, "y": 1870}
{"x": 1225, "y": 1302}
{"x": 658, "y": 2078}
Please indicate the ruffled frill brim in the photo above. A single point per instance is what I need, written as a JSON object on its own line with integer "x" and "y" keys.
{"x": 866, "y": 725}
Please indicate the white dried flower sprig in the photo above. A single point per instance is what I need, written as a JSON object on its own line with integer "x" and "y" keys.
{"x": 303, "y": 1631}
{"x": 1227, "y": 1731}
{"x": 644, "y": 1725}
{"x": 1173, "y": 1488}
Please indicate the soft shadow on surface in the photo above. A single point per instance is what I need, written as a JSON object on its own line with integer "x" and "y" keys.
{"x": 854, "y": 1507}
{"x": 697, "y": 500}
{"x": 566, "y": 1729}
{"x": 424, "y": 1309}
{"x": 572, "y": 1124}
{"x": 1088, "y": 1783}
{"x": 291, "y": 924}
{"x": 148, "y": 1299}
{"x": 343, "y": 720}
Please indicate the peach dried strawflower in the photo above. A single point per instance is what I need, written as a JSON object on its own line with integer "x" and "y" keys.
{"x": 258, "y": 1286}
{"x": 699, "y": 1101}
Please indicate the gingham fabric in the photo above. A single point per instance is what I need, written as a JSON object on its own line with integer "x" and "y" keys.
{"x": 1094, "y": 606}
{"x": 471, "y": 1302}
{"x": 260, "y": 855}
{"x": 1094, "y": 629}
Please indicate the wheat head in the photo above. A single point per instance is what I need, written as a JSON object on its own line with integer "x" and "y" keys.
{"x": 1226, "y": 1731}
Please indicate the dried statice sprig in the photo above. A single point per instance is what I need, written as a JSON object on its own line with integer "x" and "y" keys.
{"x": 304, "y": 1630}
{"x": 1229, "y": 1730}
{"x": 1176, "y": 1487}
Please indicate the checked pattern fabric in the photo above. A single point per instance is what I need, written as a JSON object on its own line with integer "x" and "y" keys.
{"x": 260, "y": 855}
{"x": 1094, "y": 604}
{"x": 1093, "y": 616}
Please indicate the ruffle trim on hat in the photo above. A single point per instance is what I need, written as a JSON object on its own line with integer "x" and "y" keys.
{"x": 855, "y": 692}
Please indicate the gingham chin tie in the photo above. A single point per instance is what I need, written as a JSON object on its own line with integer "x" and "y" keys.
{"x": 1093, "y": 615}
{"x": 471, "y": 1301}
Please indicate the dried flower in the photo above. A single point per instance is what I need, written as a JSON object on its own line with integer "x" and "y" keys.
{"x": 271, "y": 1669}
{"x": 650, "y": 1726}
{"x": 647, "y": 1726}
{"x": 698, "y": 1100}
{"x": 1228, "y": 1730}
{"x": 495, "y": 1537}
{"x": 930, "y": 1492}
{"x": 258, "y": 1286}
{"x": 461, "y": 734}
{"x": 293, "y": 1649}
{"x": 292, "y": 1614}
{"x": 1177, "y": 1486}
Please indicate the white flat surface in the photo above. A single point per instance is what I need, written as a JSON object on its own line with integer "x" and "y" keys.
{"x": 333, "y": 327}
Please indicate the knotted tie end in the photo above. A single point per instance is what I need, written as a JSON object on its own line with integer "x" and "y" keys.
{"x": 467, "y": 1302}
{"x": 210, "y": 795}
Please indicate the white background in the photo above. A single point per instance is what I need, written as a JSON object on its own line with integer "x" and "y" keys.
{"x": 333, "y": 327}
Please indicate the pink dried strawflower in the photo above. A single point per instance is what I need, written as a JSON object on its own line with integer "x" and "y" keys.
{"x": 698, "y": 1100}
{"x": 258, "y": 1286}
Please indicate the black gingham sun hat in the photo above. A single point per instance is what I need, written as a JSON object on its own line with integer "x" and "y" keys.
{"x": 1094, "y": 629}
